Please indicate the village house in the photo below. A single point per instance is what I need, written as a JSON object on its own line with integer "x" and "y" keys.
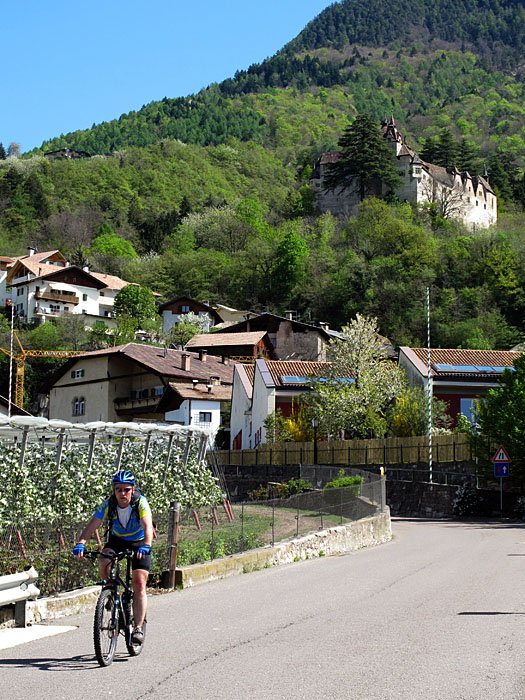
{"x": 5, "y": 296}
{"x": 238, "y": 346}
{"x": 461, "y": 195}
{"x": 262, "y": 388}
{"x": 291, "y": 339}
{"x": 173, "y": 311}
{"x": 44, "y": 285}
{"x": 136, "y": 382}
{"x": 458, "y": 377}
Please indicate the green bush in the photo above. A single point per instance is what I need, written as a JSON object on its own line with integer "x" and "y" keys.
{"x": 343, "y": 481}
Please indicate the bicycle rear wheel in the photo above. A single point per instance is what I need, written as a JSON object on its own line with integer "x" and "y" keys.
{"x": 133, "y": 649}
{"x": 105, "y": 628}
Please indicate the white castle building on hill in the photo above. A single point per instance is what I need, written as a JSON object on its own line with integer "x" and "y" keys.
{"x": 460, "y": 195}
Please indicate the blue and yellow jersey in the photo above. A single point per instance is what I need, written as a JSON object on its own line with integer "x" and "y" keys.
{"x": 132, "y": 530}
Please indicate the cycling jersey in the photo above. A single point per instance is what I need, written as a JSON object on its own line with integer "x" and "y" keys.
{"x": 131, "y": 530}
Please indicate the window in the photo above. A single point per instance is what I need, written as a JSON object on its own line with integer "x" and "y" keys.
{"x": 55, "y": 308}
{"x": 185, "y": 309}
{"x": 466, "y": 407}
{"x": 77, "y": 373}
{"x": 79, "y": 406}
{"x": 19, "y": 291}
{"x": 205, "y": 417}
{"x": 84, "y": 297}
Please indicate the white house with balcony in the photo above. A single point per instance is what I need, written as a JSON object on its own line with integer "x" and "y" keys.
{"x": 44, "y": 285}
{"x": 135, "y": 382}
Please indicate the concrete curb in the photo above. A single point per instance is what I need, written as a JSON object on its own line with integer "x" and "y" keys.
{"x": 341, "y": 539}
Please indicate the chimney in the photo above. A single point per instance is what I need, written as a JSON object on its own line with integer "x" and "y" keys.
{"x": 289, "y": 315}
{"x": 209, "y": 387}
{"x": 202, "y": 355}
{"x": 30, "y": 251}
{"x": 185, "y": 362}
{"x": 194, "y": 382}
{"x": 215, "y": 381}
{"x": 225, "y": 360}
{"x": 85, "y": 268}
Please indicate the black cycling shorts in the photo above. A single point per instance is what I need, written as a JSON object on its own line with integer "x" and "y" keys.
{"x": 117, "y": 545}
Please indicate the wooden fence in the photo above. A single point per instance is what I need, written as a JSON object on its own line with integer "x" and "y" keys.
{"x": 445, "y": 448}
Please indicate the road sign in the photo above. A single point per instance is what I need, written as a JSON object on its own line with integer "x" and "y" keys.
{"x": 501, "y": 469}
{"x": 501, "y": 455}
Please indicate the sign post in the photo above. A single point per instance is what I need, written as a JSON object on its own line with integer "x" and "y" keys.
{"x": 501, "y": 462}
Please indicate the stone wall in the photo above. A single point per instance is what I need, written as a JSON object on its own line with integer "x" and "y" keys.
{"x": 335, "y": 540}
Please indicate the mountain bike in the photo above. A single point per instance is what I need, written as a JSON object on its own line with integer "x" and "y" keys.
{"x": 114, "y": 610}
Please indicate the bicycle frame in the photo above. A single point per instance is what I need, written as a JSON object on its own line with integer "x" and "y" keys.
{"x": 116, "y": 582}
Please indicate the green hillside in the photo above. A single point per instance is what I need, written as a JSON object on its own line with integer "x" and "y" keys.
{"x": 420, "y": 60}
{"x": 210, "y": 192}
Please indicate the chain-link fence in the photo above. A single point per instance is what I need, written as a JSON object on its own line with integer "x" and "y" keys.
{"x": 211, "y": 533}
{"x": 202, "y": 534}
{"x": 48, "y": 547}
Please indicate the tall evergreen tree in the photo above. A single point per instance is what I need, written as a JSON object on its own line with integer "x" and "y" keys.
{"x": 466, "y": 156}
{"x": 365, "y": 160}
{"x": 2, "y": 152}
{"x": 446, "y": 149}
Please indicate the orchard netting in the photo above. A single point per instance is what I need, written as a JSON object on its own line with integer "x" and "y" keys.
{"x": 52, "y": 469}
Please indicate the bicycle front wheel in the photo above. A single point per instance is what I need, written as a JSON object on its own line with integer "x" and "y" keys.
{"x": 105, "y": 627}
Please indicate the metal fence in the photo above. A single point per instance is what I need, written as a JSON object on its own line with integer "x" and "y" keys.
{"x": 212, "y": 533}
{"x": 203, "y": 534}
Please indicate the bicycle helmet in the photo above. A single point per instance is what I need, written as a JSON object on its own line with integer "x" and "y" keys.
{"x": 124, "y": 477}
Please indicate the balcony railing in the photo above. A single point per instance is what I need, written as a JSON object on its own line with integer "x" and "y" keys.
{"x": 57, "y": 295}
{"x": 128, "y": 404}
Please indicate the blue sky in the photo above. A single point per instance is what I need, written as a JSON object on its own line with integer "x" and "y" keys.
{"x": 69, "y": 65}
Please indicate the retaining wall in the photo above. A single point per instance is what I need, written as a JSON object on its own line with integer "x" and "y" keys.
{"x": 350, "y": 537}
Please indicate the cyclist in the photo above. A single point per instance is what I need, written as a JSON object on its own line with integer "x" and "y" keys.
{"x": 130, "y": 527}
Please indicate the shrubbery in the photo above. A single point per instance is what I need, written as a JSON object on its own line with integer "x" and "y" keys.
{"x": 343, "y": 481}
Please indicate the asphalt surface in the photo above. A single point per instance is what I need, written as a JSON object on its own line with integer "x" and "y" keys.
{"x": 436, "y": 614}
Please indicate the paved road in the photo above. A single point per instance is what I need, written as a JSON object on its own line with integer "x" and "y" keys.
{"x": 437, "y": 614}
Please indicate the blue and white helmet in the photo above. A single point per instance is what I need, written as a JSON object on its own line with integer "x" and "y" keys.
{"x": 124, "y": 477}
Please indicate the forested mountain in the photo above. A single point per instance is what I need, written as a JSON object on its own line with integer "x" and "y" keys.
{"x": 211, "y": 190}
{"x": 462, "y": 59}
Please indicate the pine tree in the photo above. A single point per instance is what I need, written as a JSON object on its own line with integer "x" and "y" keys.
{"x": 365, "y": 160}
{"x": 446, "y": 149}
{"x": 2, "y": 152}
{"x": 467, "y": 153}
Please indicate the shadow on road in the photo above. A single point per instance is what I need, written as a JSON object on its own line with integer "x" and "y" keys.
{"x": 84, "y": 662}
{"x": 491, "y": 613}
{"x": 479, "y": 524}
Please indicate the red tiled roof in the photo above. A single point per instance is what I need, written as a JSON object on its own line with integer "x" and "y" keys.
{"x": 167, "y": 363}
{"x": 289, "y": 368}
{"x": 219, "y": 392}
{"x": 489, "y": 358}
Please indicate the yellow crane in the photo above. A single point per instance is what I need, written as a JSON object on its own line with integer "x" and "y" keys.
{"x": 20, "y": 359}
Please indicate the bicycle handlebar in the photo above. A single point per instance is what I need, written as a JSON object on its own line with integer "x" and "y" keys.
{"x": 94, "y": 554}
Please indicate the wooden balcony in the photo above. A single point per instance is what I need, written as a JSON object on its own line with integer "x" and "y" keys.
{"x": 129, "y": 406}
{"x": 57, "y": 295}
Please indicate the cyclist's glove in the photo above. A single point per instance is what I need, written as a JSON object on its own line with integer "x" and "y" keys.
{"x": 144, "y": 550}
{"x": 79, "y": 549}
